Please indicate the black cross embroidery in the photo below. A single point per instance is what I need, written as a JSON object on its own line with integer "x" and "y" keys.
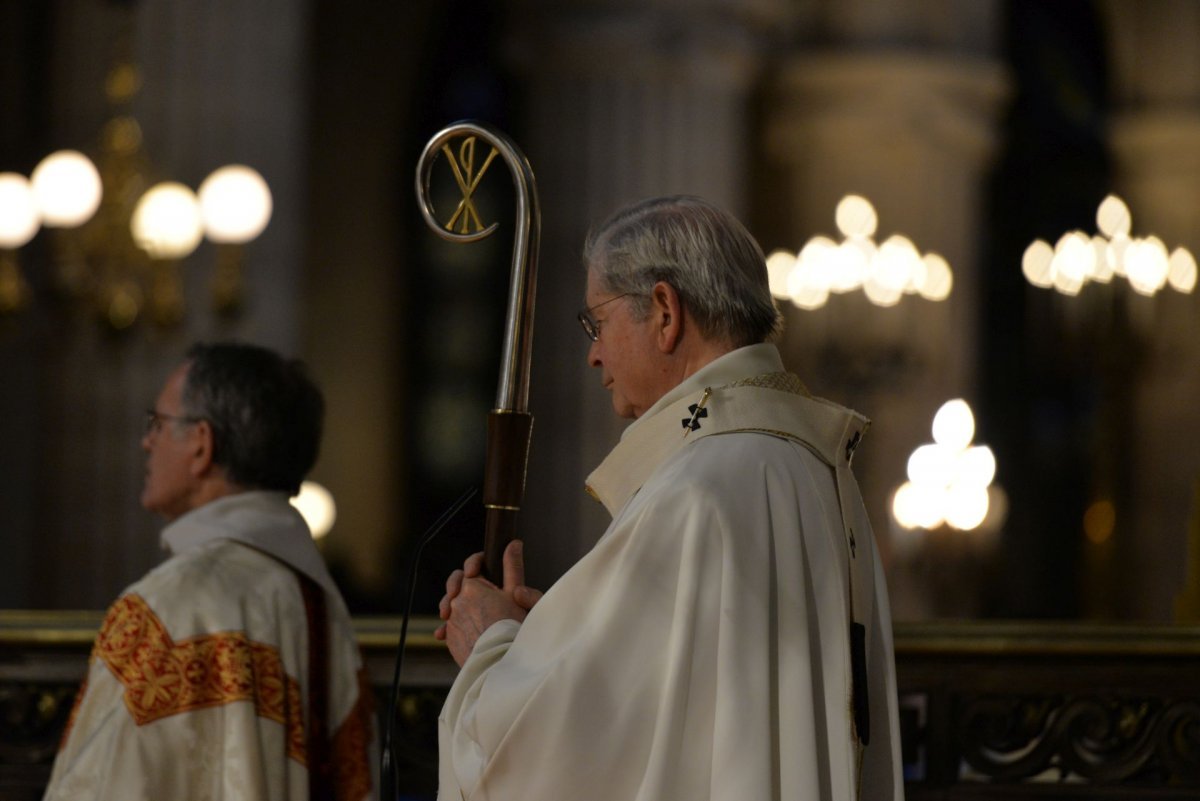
{"x": 853, "y": 545}
{"x": 852, "y": 444}
{"x": 692, "y": 423}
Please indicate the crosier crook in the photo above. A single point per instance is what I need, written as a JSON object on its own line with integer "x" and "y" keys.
{"x": 509, "y": 423}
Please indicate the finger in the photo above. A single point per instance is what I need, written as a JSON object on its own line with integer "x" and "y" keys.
{"x": 514, "y": 566}
{"x": 526, "y": 597}
{"x": 474, "y": 565}
{"x": 454, "y": 583}
{"x": 440, "y": 633}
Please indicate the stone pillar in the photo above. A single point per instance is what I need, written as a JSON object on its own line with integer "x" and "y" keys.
{"x": 914, "y": 131}
{"x": 223, "y": 82}
{"x": 635, "y": 100}
{"x": 1155, "y": 138}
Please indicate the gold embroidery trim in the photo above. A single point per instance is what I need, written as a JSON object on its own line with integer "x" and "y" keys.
{"x": 163, "y": 677}
{"x": 784, "y": 382}
{"x": 352, "y": 746}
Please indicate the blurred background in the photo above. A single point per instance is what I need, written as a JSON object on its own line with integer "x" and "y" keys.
{"x": 964, "y": 132}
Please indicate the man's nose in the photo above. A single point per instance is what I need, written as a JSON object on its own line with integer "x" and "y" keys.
{"x": 593, "y": 354}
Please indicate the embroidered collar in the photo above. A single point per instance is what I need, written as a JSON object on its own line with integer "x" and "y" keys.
{"x": 733, "y": 393}
{"x": 262, "y": 520}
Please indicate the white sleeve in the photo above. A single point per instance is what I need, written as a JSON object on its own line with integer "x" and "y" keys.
{"x": 463, "y": 759}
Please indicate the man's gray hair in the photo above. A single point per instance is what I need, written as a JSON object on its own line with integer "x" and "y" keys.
{"x": 698, "y": 248}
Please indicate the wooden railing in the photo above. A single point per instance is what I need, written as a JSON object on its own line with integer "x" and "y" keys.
{"x": 989, "y": 711}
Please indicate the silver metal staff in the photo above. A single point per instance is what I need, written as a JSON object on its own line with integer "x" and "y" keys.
{"x": 509, "y": 423}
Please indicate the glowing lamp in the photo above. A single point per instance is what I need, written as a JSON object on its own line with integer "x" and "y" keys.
{"x": 316, "y": 506}
{"x": 18, "y": 211}
{"x": 67, "y": 188}
{"x": 235, "y": 204}
{"x": 954, "y": 425}
{"x": 166, "y": 221}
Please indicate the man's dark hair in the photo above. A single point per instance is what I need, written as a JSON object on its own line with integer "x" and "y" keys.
{"x": 266, "y": 413}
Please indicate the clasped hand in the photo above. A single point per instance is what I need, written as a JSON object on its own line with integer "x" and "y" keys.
{"x": 472, "y": 603}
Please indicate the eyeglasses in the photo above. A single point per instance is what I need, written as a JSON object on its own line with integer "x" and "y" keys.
{"x": 591, "y": 327}
{"x": 154, "y": 420}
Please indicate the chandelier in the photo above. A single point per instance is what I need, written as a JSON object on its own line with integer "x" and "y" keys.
{"x": 949, "y": 480}
{"x": 885, "y": 272}
{"x": 1078, "y": 258}
{"x": 116, "y": 238}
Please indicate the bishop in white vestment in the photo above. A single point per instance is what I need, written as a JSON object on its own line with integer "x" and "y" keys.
{"x": 729, "y": 636}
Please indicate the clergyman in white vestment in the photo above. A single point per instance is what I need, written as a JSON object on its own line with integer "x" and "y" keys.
{"x": 729, "y": 636}
{"x": 200, "y": 682}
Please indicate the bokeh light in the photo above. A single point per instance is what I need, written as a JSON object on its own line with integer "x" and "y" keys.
{"x": 316, "y": 506}
{"x": 950, "y": 480}
{"x": 884, "y": 272}
{"x": 1077, "y": 258}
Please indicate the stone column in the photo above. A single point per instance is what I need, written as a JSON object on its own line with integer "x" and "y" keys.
{"x": 913, "y": 130}
{"x": 634, "y": 100}
{"x": 223, "y": 82}
{"x": 1155, "y": 138}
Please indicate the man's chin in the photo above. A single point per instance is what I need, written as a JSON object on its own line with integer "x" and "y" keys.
{"x": 624, "y": 410}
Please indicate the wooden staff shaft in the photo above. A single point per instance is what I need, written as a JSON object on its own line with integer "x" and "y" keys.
{"x": 508, "y": 436}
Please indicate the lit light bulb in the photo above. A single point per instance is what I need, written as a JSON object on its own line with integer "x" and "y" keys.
{"x": 939, "y": 280}
{"x": 235, "y": 204}
{"x": 894, "y": 263}
{"x": 67, "y": 187}
{"x": 316, "y": 506}
{"x": 18, "y": 211}
{"x": 166, "y": 221}
{"x": 954, "y": 425}
{"x": 1182, "y": 274}
{"x": 850, "y": 263}
{"x": 1146, "y": 265}
{"x": 805, "y": 287}
{"x": 779, "y": 265}
{"x": 856, "y": 217}
{"x": 1074, "y": 259}
{"x": 967, "y": 507}
{"x": 1102, "y": 269}
{"x": 1113, "y": 217}
{"x": 931, "y": 466}
{"x": 977, "y": 466}
{"x": 1038, "y": 264}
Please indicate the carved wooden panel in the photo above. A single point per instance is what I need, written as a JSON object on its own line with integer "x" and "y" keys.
{"x": 1050, "y": 712}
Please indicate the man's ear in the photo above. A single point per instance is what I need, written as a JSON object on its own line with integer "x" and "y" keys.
{"x": 201, "y": 443}
{"x": 667, "y": 311}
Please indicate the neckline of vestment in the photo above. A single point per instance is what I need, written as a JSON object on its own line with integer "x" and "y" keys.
{"x": 731, "y": 397}
{"x": 260, "y": 519}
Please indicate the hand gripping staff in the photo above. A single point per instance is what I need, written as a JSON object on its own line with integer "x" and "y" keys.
{"x": 509, "y": 423}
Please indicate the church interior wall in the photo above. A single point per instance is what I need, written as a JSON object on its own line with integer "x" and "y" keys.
{"x": 773, "y": 108}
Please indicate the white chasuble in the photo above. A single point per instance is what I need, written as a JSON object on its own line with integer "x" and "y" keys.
{"x": 702, "y": 649}
{"x": 197, "y": 687}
